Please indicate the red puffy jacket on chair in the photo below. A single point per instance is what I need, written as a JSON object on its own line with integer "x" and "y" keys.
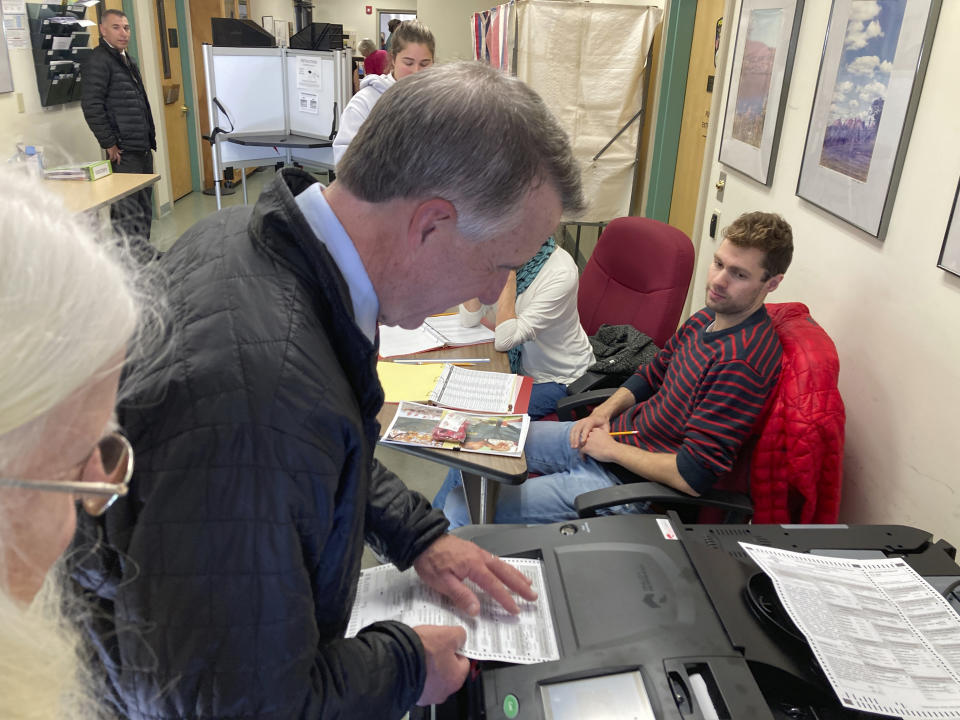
{"x": 797, "y": 465}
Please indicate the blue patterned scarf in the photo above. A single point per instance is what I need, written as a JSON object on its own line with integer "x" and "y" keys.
{"x": 525, "y": 275}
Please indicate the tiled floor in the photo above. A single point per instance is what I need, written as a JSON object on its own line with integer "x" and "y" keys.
{"x": 190, "y": 208}
{"x": 425, "y": 477}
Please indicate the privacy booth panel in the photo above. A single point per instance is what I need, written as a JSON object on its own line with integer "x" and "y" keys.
{"x": 587, "y": 60}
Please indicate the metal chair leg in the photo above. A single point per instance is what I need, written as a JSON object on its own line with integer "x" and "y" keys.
{"x": 481, "y": 497}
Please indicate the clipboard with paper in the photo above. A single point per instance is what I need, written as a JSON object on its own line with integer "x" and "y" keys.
{"x": 455, "y": 387}
{"x": 481, "y": 391}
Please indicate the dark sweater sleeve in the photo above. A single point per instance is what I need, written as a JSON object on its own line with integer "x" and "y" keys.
{"x": 401, "y": 523}
{"x": 93, "y": 99}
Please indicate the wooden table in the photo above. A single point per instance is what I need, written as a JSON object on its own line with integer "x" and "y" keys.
{"x": 86, "y": 195}
{"x": 478, "y": 469}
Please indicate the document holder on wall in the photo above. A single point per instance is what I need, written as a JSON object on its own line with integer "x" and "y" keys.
{"x": 59, "y": 41}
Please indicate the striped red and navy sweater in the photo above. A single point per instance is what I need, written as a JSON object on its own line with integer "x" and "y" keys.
{"x": 701, "y": 395}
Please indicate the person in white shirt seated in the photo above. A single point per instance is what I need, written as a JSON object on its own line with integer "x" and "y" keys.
{"x": 412, "y": 48}
{"x": 538, "y": 326}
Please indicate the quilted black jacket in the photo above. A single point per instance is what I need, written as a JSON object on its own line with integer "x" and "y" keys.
{"x": 114, "y": 102}
{"x": 231, "y": 567}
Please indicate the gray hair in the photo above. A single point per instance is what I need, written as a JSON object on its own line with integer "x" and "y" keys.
{"x": 45, "y": 666}
{"x": 366, "y": 46}
{"x": 70, "y": 301}
{"x": 465, "y": 132}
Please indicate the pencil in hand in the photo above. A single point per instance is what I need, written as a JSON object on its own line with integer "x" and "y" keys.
{"x": 624, "y": 432}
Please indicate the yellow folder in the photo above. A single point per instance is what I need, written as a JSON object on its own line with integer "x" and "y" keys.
{"x": 408, "y": 382}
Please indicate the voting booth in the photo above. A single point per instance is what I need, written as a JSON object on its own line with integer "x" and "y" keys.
{"x": 274, "y": 105}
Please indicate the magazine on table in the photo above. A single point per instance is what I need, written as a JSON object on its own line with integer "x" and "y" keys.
{"x": 447, "y": 429}
{"x": 436, "y": 332}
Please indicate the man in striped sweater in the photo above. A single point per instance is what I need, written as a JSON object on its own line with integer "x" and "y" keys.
{"x": 683, "y": 417}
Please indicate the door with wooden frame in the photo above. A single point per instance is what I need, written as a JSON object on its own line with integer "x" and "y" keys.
{"x": 698, "y": 97}
{"x": 175, "y": 105}
{"x": 201, "y": 12}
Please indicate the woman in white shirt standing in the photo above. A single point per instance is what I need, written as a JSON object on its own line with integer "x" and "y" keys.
{"x": 538, "y": 325}
{"x": 412, "y": 48}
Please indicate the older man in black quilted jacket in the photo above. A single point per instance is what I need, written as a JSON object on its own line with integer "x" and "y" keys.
{"x": 116, "y": 108}
{"x": 223, "y": 582}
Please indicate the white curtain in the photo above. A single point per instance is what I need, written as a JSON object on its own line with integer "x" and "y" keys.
{"x": 586, "y": 59}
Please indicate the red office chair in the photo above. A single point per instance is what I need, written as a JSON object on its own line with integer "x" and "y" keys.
{"x": 638, "y": 274}
{"x": 792, "y": 467}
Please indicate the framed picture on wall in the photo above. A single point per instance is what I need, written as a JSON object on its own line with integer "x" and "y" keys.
{"x": 950, "y": 252}
{"x": 762, "y": 62}
{"x": 871, "y": 74}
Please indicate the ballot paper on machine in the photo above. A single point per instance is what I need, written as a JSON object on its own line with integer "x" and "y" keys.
{"x": 385, "y": 593}
{"x": 887, "y": 641}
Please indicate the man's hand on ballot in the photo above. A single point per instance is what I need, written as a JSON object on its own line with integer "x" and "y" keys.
{"x": 451, "y": 560}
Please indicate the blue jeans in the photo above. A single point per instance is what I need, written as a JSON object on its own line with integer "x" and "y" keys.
{"x": 544, "y": 397}
{"x": 544, "y": 499}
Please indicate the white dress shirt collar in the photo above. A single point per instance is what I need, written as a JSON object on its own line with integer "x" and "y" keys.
{"x": 332, "y": 234}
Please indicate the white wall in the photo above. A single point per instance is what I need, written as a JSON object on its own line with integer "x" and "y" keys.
{"x": 450, "y": 22}
{"x": 894, "y": 316}
{"x": 277, "y": 9}
{"x": 349, "y": 14}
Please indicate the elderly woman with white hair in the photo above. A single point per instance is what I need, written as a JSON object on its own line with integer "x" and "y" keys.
{"x": 69, "y": 312}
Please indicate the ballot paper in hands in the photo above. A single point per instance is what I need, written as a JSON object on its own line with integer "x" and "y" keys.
{"x": 385, "y": 593}
{"x": 886, "y": 640}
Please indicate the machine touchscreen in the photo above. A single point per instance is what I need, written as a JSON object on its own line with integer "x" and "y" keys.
{"x": 621, "y": 696}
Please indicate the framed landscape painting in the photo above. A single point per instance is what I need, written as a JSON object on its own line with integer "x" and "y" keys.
{"x": 760, "y": 79}
{"x": 871, "y": 75}
{"x": 950, "y": 252}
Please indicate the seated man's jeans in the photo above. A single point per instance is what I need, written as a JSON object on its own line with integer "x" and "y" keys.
{"x": 563, "y": 475}
{"x": 544, "y": 397}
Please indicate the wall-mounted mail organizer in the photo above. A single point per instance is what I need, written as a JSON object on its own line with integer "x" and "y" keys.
{"x": 60, "y": 37}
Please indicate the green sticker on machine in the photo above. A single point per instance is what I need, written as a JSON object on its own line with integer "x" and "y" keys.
{"x": 511, "y": 706}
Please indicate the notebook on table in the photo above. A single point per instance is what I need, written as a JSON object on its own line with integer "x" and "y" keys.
{"x": 436, "y": 332}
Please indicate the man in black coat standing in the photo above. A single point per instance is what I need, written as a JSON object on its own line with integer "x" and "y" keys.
{"x": 222, "y": 584}
{"x": 116, "y": 108}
